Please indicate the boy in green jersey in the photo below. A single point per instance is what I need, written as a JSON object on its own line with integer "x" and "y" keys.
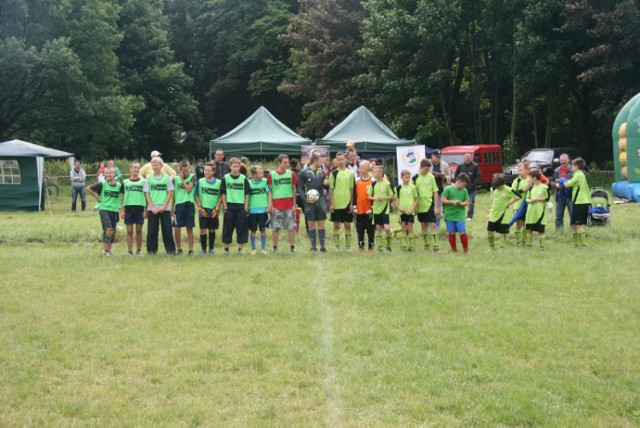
{"x": 406, "y": 202}
{"x": 341, "y": 184}
{"x": 235, "y": 191}
{"x": 158, "y": 189}
{"x": 207, "y": 198}
{"x": 381, "y": 193}
{"x": 520, "y": 187}
{"x": 284, "y": 186}
{"x": 454, "y": 200}
{"x": 499, "y": 215}
{"x": 133, "y": 204}
{"x": 581, "y": 200}
{"x": 183, "y": 205}
{"x": 107, "y": 193}
{"x": 536, "y": 218}
{"x": 428, "y": 203}
{"x": 259, "y": 205}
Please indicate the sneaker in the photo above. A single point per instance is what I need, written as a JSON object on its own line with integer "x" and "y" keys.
{"x": 314, "y": 250}
{"x": 388, "y": 250}
{"x": 338, "y": 249}
{"x": 436, "y": 250}
{"x": 212, "y": 252}
{"x": 180, "y": 252}
{"x": 253, "y": 252}
{"x": 139, "y": 254}
{"x": 323, "y": 250}
{"x": 348, "y": 249}
{"x": 468, "y": 218}
{"x": 191, "y": 252}
{"x": 202, "y": 252}
{"x": 274, "y": 250}
{"x": 410, "y": 249}
{"x": 107, "y": 254}
{"x": 225, "y": 252}
{"x": 361, "y": 250}
{"x": 130, "y": 253}
{"x": 241, "y": 251}
{"x": 292, "y": 249}
{"x": 263, "y": 251}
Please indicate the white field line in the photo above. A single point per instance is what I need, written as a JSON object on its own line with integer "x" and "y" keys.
{"x": 331, "y": 384}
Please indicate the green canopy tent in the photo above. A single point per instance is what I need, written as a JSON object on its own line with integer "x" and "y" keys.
{"x": 369, "y": 133}
{"x": 260, "y": 134}
{"x": 21, "y": 174}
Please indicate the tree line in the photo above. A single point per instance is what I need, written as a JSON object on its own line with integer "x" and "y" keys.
{"x": 120, "y": 78}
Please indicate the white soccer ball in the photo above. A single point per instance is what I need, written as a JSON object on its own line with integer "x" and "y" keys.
{"x": 312, "y": 196}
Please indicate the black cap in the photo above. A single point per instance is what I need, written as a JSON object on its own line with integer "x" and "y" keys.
{"x": 436, "y": 152}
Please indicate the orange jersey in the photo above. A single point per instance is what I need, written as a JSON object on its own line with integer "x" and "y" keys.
{"x": 363, "y": 204}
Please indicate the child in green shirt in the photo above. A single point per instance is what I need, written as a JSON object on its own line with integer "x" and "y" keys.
{"x": 536, "y": 218}
{"x": 499, "y": 215}
{"x": 428, "y": 203}
{"x": 107, "y": 193}
{"x": 454, "y": 200}
{"x": 520, "y": 187}
{"x": 381, "y": 193}
{"x": 406, "y": 202}
{"x": 581, "y": 199}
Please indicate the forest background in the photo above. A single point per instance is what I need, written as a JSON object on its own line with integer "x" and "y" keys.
{"x": 119, "y": 78}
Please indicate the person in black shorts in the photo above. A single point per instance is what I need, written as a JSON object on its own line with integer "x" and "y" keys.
{"x": 315, "y": 213}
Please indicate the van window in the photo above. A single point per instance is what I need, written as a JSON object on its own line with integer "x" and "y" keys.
{"x": 491, "y": 157}
{"x": 9, "y": 172}
{"x": 477, "y": 158}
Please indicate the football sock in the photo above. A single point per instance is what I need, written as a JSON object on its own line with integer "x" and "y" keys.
{"x": 452, "y": 241}
{"x": 253, "y": 242}
{"x": 518, "y": 237}
{"x": 403, "y": 241}
{"x": 336, "y": 239}
{"x": 583, "y": 237}
{"x": 426, "y": 238}
{"x": 576, "y": 239}
{"x": 434, "y": 241}
{"x": 203, "y": 242}
{"x": 541, "y": 241}
{"x": 212, "y": 239}
{"x": 388, "y": 239}
{"x": 379, "y": 241}
{"x": 321, "y": 236}
{"x": 492, "y": 240}
{"x": 503, "y": 240}
{"x": 528, "y": 239}
{"x": 263, "y": 242}
{"x": 347, "y": 240}
{"x": 313, "y": 236}
{"x": 411, "y": 241}
{"x": 464, "y": 238}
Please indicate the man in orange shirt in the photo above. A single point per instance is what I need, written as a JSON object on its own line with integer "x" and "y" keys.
{"x": 363, "y": 208}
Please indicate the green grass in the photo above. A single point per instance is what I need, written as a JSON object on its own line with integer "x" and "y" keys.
{"x": 492, "y": 338}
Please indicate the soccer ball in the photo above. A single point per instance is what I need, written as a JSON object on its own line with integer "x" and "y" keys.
{"x": 312, "y": 196}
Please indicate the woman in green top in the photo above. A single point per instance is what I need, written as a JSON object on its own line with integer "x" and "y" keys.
{"x": 107, "y": 193}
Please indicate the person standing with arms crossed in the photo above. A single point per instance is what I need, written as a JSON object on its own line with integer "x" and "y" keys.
{"x": 341, "y": 184}
{"x": 78, "y": 179}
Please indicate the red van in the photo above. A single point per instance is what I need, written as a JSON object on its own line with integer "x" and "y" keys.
{"x": 487, "y": 156}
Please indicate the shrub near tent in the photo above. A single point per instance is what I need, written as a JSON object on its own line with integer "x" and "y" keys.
{"x": 626, "y": 151}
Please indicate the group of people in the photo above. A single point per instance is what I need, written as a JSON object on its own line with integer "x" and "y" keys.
{"x": 249, "y": 200}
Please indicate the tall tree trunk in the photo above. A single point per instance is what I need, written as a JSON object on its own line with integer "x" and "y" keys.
{"x": 550, "y": 115}
{"x": 493, "y": 97}
{"x": 535, "y": 122}
{"x": 514, "y": 102}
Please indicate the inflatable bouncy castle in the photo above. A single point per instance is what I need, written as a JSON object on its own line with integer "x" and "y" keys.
{"x": 626, "y": 151}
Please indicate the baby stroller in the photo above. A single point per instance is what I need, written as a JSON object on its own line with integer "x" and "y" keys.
{"x": 600, "y": 211}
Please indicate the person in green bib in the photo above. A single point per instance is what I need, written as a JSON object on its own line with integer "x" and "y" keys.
{"x": 581, "y": 201}
{"x": 133, "y": 204}
{"x": 207, "y": 196}
{"x": 284, "y": 183}
{"x": 158, "y": 190}
{"x": 184, "y": 210}
{"x": 500, "y": 213}
{"x": 428, "y": 204}
{"x": 536, "y": 218}
{"x": 107, "y": 193}
{"x": 235, "y": 191}
{"x": 341, "y": 184}
{"x": 259, "y": 205}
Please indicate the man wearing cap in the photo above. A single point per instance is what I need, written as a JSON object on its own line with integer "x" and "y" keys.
{"x": 147, "y": 170}
{"x": 441, "y": 172}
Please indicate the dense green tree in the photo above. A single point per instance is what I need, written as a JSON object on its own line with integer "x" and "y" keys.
{"x": 325, "y": 37}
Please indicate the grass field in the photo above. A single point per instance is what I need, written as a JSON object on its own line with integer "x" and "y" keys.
{"x": 514, "y": 337}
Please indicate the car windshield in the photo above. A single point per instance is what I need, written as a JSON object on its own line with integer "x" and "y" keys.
{"x": 541, "y": 156}
{"x": 453, "y": 159}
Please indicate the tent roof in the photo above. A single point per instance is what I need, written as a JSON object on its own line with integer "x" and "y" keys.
{"x": 260, "y": 133}
{"x": 369, "y": 133}
{"x": 23, "y": 149}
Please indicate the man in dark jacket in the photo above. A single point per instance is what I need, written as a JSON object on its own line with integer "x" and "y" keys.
{"x": 472, "y": 169}
{"x": 563, "y": 195}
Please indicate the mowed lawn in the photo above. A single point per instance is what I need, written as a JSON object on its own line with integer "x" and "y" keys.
{"x": 511, "y": 337}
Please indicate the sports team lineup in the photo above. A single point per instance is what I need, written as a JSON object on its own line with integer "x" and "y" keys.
{"x": 245, "y": 201}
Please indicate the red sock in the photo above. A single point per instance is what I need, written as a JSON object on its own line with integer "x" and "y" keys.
{"x": 452, "y": 241}
{"x": 464, "y": 238}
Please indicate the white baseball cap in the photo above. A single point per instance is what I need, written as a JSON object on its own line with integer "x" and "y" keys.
{"x": 155, "y": 153}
